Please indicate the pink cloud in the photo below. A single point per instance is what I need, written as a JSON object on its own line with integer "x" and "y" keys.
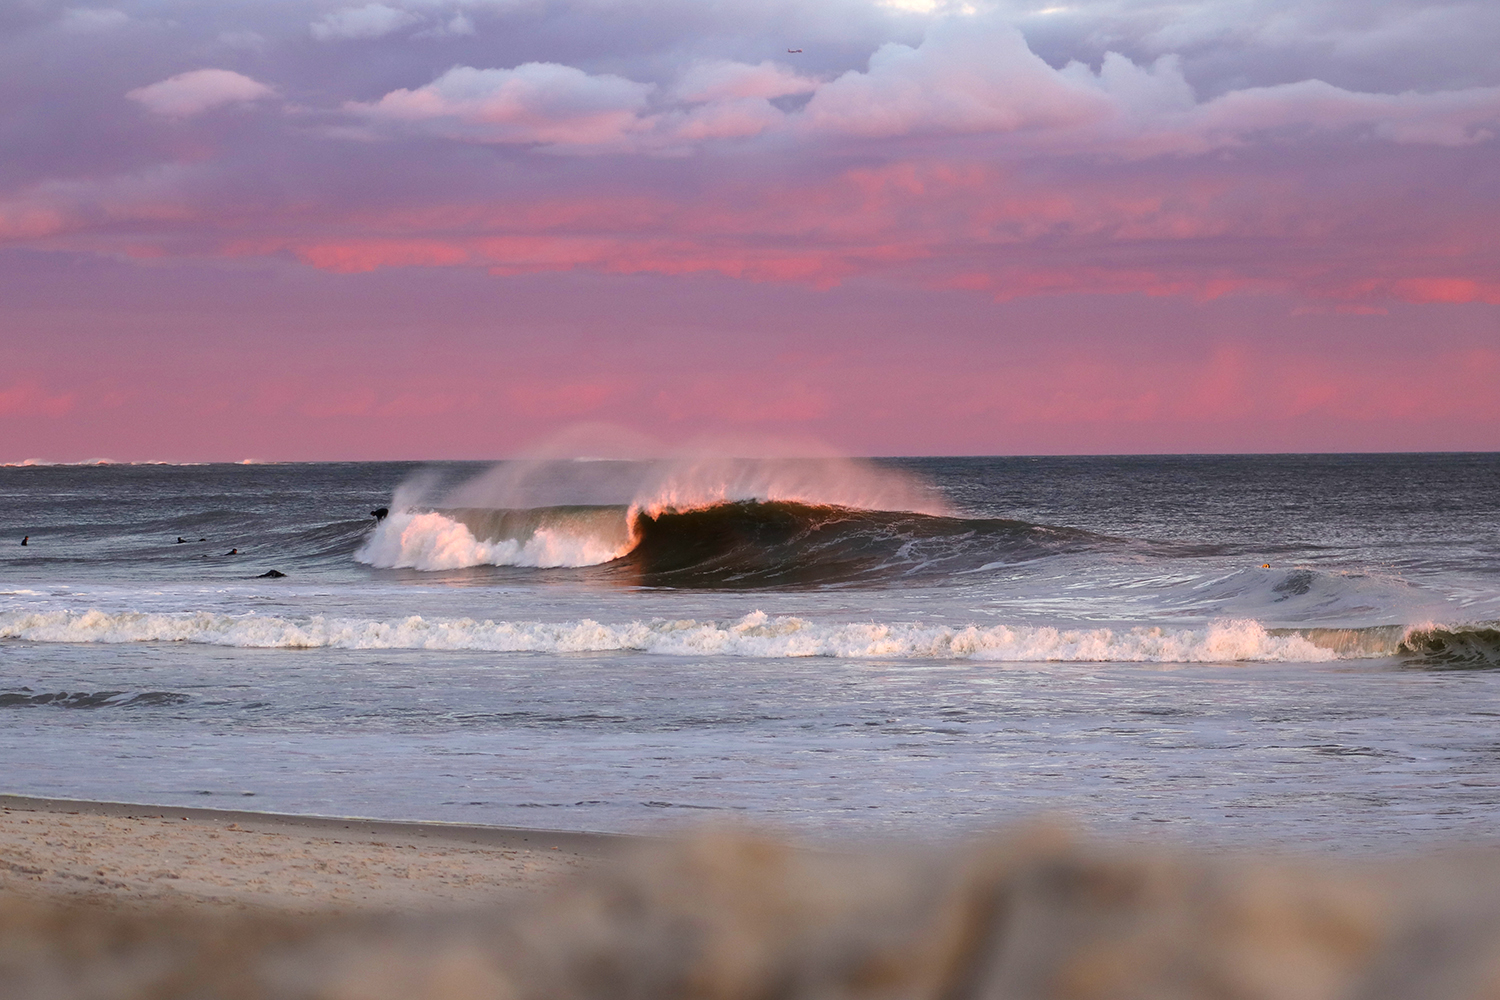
{"x": 535, "y": 103}
{"x": 30, "y": 399}
{"x": 1450, "y": 118}
{"x": 954, "y": 223}
{"x": 724, "y": 119}
{"x": 967, "y": 76}
{"x": 951, "y": 224}
{"x": 724, "y": 79}
{"x": 197, "y": 91}
{"x": 971, "y": 75}
{"x": 565, "y": 398}
{"x": 964, "y": 164}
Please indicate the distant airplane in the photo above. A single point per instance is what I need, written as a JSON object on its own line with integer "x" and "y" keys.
{"x": 794, "y": 51}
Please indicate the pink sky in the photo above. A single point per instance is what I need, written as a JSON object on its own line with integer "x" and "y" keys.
{"x": 448, "y": 229}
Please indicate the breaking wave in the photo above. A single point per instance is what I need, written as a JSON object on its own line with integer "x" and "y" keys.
{"x": 760, "y": 635}
{"x": 1427, "y": 644}
{"x": 729, "y": 544}
{"x": 694, "y": 521}
{"x": 755, "y": 635}
{"x": 573, "y": 535}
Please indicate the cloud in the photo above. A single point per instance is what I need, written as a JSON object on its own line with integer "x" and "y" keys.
{"x": 952, "y": 158}
{"x": 30, "y": 399}
{"x": 373, "y": 20}
{"x": 91, "y": 19}
{"x": 735, "y": 118}
{"x": 968, "y": 75}
{"x": 199, "y": 90}
{"x": 534, "y": 103}
{"x": 725, "y": 79}
{"x": 1385, "y": 47}
{"x": 1450, "y": 118}
{"x": 458, "y": 26}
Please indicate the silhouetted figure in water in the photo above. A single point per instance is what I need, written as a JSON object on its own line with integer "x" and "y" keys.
{"x": 271, "y": 574}
{"x": 380, "y": 514}
{"x": 232, "y": 552}
{"x": 26, "y": 539}
{"x": 181, "y": 540}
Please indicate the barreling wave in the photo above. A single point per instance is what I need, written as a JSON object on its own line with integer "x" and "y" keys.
{"x": 727, "y": 544}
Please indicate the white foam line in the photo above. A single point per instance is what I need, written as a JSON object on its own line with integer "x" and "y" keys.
{"x": 754, "y": 635}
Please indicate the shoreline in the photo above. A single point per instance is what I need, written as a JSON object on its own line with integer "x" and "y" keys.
{"x": 123, "y": 854}
{"x": 580, "y": 842}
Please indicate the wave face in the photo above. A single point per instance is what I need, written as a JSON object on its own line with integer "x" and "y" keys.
{"x": 1428, "y": 645}
{"x": 729, "y": 544}
{"x": 1452, "y": 647}
{"x": 751, "y": 544}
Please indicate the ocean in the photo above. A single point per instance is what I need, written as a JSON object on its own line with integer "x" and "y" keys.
{"x": 1298, "y": 651}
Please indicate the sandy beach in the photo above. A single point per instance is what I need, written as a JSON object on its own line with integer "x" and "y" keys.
{"x": 104, "y": 901}
{"x": 116, "y": 853}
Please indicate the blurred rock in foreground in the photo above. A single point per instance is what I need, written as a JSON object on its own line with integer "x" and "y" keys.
{"x": 730, "y": 917}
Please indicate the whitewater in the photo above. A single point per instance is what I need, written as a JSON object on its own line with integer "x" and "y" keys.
{"x": 1296, "y": 650}
{"x": 755, "y": 634}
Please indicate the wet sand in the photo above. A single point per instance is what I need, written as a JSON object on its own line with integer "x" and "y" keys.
{"x": 117, "y": 853}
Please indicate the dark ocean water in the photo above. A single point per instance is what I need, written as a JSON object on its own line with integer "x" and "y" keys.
{"x": 1289, "y": 649}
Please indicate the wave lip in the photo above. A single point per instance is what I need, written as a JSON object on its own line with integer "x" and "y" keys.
{"x": 755, "y": 635}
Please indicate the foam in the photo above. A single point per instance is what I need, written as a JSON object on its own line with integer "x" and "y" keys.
{"x": 755, "y": 635}
{"x": 434, "y": 541}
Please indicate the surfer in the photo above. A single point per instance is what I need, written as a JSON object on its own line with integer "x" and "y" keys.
{"x": 380, "y": 514}
{"x": 25, "y": 540}
{"x": 232, "y": 552}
